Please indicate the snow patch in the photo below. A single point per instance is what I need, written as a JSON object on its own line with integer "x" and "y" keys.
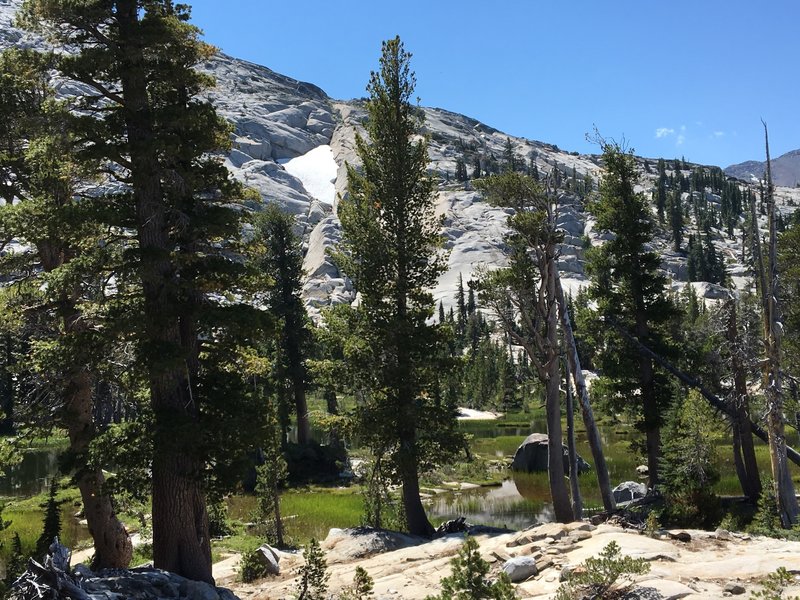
{"x": 317, "y": 171}
{"x": 469, "y": 414}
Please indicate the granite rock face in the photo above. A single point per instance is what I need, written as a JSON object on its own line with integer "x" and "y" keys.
{"x": 276, "y": 119}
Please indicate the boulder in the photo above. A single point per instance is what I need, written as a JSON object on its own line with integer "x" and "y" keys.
{"x": 531, "y": 456}
{"x": 520, "y": 568}
{"x": 628, "y": 491}
{"x": 269, "y": 559}
{"x": 347, "y": 545}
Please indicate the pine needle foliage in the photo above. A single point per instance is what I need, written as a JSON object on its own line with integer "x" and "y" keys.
{"x": 469, "y": 579}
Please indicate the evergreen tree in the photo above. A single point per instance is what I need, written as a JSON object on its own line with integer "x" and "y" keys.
{"x": 469, "y": 578}
{"x": 629, "y": 291}
{"x": 528, "y": 287}
{"x": 461, "y": 170}
{"x": 441, "y": 313}
{"x": 689, "y": 469}
{"x": 282, "y": 260}
{"x": 51, "y": 527}
{"x": 145, "y": 120}
{"x": 509, "y": 159}
{"x": 60, "y": 301}
{"x": 661, "y": 189}
{"x": 675, "y": 207}
{"x": 476, "y": 167}
{"x": 461, "y": 303}
{"x": 391, "y": 251}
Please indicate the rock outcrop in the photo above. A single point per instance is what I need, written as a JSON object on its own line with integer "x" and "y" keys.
{"x": 532, "y": 455}
{"x": 277, "y": 119}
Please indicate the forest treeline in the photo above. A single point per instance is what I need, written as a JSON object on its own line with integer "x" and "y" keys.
{"x": 151, "y": 304}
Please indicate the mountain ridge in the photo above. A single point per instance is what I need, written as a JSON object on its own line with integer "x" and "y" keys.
{"x": 276, "y": 119}
{"x": 785, "y": 169}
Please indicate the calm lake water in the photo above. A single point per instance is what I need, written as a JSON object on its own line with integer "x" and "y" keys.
{"x": 31, "y": 476}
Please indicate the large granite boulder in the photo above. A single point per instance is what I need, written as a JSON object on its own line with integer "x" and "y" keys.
{"x": 520, "y": 568}
{"x": 628, "y": 491}
{"x": 531, "y": 456}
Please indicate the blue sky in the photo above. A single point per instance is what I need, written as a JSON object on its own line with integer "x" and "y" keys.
{"x": 681, "y": 78}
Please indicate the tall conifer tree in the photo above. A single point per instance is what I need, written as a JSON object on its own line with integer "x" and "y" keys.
{"x": 629, "y": 291}
{"x": 142, "y": 117}
{"x": 391, "y": 250}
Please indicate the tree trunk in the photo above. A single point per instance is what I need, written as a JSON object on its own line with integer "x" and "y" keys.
{"x": 301, "y": 410}
{"x": 555, "y": 446}
{"x": 592, "y": 433}
{"x": 652, "y": 418}
{"x": 577, "y": 501}
{"x": 112, "y": 545}
{"x": 784, "y": 486}
{"x": 180, "y": 521}
{"x": 744, "y": 448}
{"x": 416, "y": 519}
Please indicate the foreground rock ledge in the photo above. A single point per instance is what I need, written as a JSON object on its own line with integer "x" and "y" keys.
{"x": 54, "y": 580}
{"x": 708, "y": 566}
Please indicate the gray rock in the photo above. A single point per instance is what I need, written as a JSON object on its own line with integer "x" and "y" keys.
{"x": 520, "y": 568}
{"x": 269, "y": 559}
{"x": 734, "y": 589}
{"x": 532, "y": 455}
{"x": 722, "y": 534}
{"x": 347, "y": 545}
{"x": 628, "y": 491}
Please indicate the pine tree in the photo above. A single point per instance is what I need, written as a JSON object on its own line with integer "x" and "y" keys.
{"x": 629, "y": 291}
{"x": 391, "y": 251}
{"x": 528, "y": 287}
{"x": 145, "y": 120}
{"x": 461, "y": 304}
{"x": 461, "y": 170}
{"x": 282, "y": 260}
{"x": 51, "y": 527}
{"x": 509, "y": 159}
{"x": 676, "y": 219}
{"x": 61, "y": 306}
{"x": 661, "y": 190}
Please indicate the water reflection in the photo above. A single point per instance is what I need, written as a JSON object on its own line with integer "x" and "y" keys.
{"x": 517, "y": 503}
{"x": 32, "y": 475}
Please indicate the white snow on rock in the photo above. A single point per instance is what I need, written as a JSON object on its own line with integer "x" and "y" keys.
{"x": 469, "y": 414}
{"x": 317, "y": 169}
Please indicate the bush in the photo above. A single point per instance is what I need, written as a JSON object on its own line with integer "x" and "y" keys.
{"x": 313, "y": 574}
{"x": 774, "y": 585}
{"x": 469, "y": 581}
{"x": 688, "y": 464}
{"x": 251, "y": 567}
{"x": 599, "y": 577}
{"x": 361, "y": 588}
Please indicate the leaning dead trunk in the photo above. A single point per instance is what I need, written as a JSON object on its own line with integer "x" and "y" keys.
{"x": 577, "y": 501}
{"x": 592, "y": 432}
{"x": 784, "y": 486}
{"x": 555, "y": 459}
